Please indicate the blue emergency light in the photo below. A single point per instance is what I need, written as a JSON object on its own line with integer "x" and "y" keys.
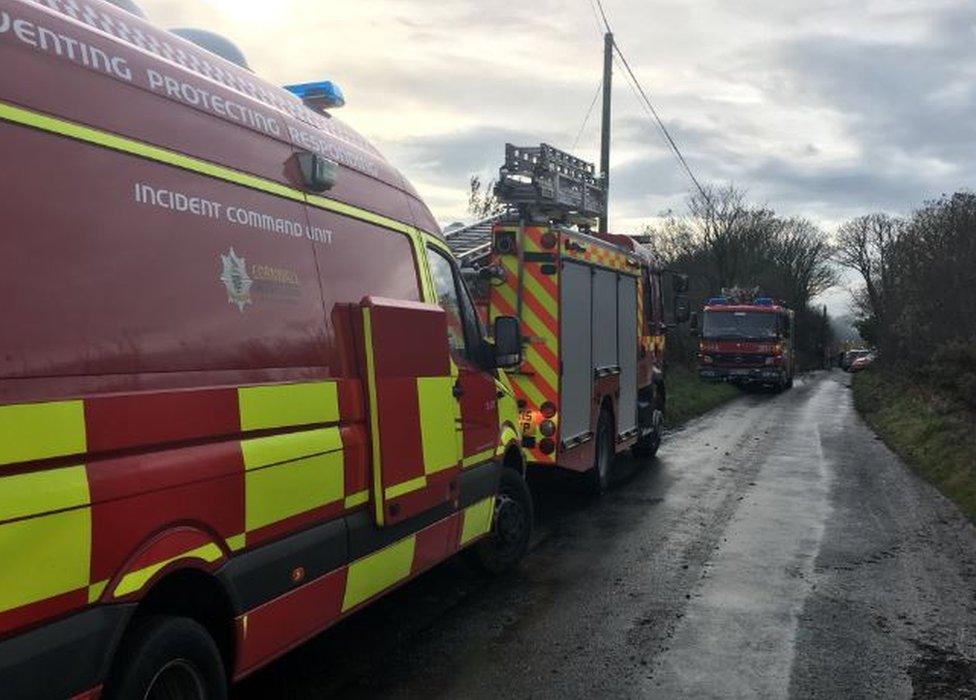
{"x": 764, "y": 301}
{"x": 321, "y": 95}
{"x": 717, "y": 301}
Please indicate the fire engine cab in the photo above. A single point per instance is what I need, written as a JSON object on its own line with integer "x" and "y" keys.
{"x": 592, "y": 315}
{"x": 746, "y": 339}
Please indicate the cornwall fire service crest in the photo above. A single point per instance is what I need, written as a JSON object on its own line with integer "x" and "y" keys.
{"x": 236, "y": 279}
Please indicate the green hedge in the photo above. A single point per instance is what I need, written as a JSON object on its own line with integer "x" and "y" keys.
{"x": 936, "y": 435}
{"x": 689, "y": 397}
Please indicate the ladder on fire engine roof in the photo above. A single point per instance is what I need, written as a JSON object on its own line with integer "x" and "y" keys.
{"x": 471, "y": 245}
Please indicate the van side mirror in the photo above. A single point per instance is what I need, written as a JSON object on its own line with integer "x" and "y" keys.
{"x": 508, "y": 342}
{"x": 682, "y": 309}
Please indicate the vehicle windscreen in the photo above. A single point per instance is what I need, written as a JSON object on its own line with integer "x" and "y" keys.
{"x": 740, "y": 324}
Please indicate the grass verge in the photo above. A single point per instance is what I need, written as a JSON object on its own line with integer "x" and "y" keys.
{"x": 934, "y": 435}
{"x": 689, "y": 397}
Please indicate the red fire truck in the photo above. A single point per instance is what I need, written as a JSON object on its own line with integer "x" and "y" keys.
{"x": 243, "y": 390}
{"x": 593, "y": 317}
{"x": 746, "y": 339}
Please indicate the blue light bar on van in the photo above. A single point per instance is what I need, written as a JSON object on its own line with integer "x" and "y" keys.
{"x": 764, "y": 301}
{"x": 322, "y": 95}
{"x": 717, "y": 301}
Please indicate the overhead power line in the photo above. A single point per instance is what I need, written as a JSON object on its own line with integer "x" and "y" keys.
{"x": 589, "y": 113}
{"x": 644, "y": 98}
{"x": 642, "y": 95}
{"x": 603, "y": 15}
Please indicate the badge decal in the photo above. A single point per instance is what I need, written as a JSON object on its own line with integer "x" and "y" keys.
{"x": 236, "y": 279}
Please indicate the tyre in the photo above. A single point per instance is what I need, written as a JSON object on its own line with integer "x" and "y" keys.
{"x": 647, "y": 446}
{"x": 511, "y": 527}
{"x": 168, "y": 658}
{"x": 598, "y": 478}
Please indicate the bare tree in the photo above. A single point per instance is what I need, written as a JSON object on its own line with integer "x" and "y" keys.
{"x": 482, "y": 202}
{"x": 869, "y": 246}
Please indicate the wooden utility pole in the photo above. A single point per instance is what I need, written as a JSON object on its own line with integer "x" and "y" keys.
{"x": 605, "y": 134}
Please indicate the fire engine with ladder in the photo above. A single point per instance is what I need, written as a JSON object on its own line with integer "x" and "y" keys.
{"x": 592, "y": 313}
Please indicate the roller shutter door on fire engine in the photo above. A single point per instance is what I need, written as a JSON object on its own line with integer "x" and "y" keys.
{"x": 627, "y": 347}
{"x": 576, "y": 339}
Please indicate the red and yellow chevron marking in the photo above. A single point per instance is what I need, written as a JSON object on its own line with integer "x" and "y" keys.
{"x": 641, "y": 322}
{"x": 597, "y": 253}
{"x": 75, "y": 534}
{"x": 537, "y": 381}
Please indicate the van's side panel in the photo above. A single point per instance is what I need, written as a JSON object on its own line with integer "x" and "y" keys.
{"x": 115, "y": 282}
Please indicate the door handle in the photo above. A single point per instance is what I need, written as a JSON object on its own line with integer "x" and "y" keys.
{"x": 457, "y": 391}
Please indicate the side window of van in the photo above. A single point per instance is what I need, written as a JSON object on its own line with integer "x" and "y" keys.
{"x": 452, "y": 297}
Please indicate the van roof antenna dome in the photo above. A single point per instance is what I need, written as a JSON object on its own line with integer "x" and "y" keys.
{"x": 214, "y": 43}
{"x": 128, "y": 6}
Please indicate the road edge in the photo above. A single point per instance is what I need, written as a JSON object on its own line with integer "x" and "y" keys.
{"x": 935, "y": 437}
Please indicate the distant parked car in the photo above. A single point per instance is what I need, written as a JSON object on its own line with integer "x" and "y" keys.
{"x": 851, "y": 356}
{"x": 861, "y": 363}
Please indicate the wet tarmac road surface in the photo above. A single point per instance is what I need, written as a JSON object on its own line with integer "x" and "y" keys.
{"x": 774, "y": 549}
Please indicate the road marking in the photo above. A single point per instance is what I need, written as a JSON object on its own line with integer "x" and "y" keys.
{"x": 738, "y": 634}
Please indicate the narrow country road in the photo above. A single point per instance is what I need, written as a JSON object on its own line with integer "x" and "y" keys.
{"x": 774, "y": 549}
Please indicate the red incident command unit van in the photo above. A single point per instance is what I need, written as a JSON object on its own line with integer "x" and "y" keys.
{"x": 243, "y": 390}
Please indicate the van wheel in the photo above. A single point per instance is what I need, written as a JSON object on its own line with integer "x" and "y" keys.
{"x": 511, "y": 527}
{"x": 599, "y": 476}
{"x": 168, "y": 658}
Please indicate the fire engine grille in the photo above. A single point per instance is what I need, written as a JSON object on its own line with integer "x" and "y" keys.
{"x": 739, "y": 360}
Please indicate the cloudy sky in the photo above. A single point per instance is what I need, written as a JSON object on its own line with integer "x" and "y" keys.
{"x": 820, "y": 108}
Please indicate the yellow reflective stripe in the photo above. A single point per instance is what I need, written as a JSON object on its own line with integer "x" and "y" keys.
{"x": 37, "y": 493}
{"x": 141, "y": 149}
{"x": 508, "y": 435}
{"x": 354, "y": 212}
{"x": 357, "y": 499}
{"x": 277, "y": 449}
{"x": 114, "y": 142}
{"x": 236, "y": 543}
{"x": 375, "y": 573}
{"x": 136, "y": 580}
{"x": 41, "y": 431}
{"x": 545, "y": 299}
{"x": 477, "y": 520}
{"x": 280, "y": 406}
{"x": 439, "y": 412}
{"x": 542, "y": 367}
{"x": 374, "y": 420}
{"x": 286, "y": 490}
{"x": 96, "y": 590}
{"x": 44, "y": 557}
{"x": 406, "y": 487}
{"x": 478, "y": 458}
{"x": 528, "y": 388}
{"x": 508, "y": 290}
